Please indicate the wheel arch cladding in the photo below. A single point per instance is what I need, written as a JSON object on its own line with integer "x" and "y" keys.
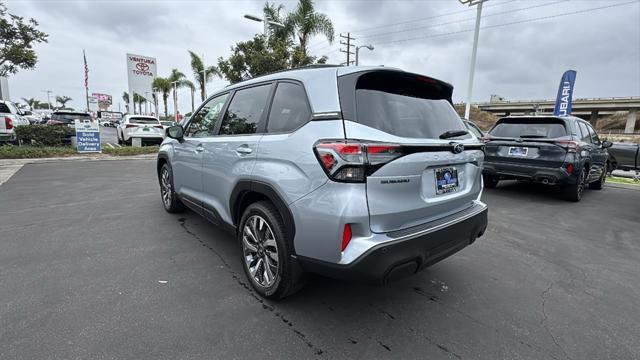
{"x": 247, "y": 192}
{"x": 162, "y": 159}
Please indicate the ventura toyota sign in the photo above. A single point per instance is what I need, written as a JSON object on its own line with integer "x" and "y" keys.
{"x": 141, "y": 70}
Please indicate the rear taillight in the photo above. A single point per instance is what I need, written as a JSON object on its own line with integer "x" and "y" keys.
{"x": 158, "y": 126}
{"x": 352, "y": 161}
{"x": 346, "y": 236}
{"x": 130, "y": 126}
{"x": 8, "y": 124}
{"x": 570, "y": 145}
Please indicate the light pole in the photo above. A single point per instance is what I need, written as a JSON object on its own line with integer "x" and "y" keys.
{"x": 264, "y": 21}
{"x": 370, "y": 47}
{"x": 175, "y": 100}
{"x": 467, "y": 108}
{"x": 204, "y": 82}
{"x": 48, "y": 97}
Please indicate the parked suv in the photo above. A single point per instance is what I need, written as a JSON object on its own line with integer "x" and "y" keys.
{"x": 357, "y": 173}
{"x": 9, "y": 118}
{"x": 564, "y": 151}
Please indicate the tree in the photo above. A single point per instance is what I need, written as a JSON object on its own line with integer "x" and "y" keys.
{"x": 17, "y": 37}
{"x": 138, "y": 99}
{"x": 125, "y": 98}
{"x": 163, "y": 86}
{"x": 63, "y": 100}
{"x": 33, "y": 103}
{"x": 177, "y": 80}
{"x": 305, "y": 22}
{"x": 258, "y": 56}
{"x": 198, "y": 68}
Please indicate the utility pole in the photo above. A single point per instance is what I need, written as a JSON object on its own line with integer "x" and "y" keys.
{"x": 48, "y": 97}
{"x": 467, "y": 108}
{"x": 348, "y": 48}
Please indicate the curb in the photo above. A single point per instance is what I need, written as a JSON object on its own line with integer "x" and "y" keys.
{"x": 622, "y": 186}
{"x": 9, "y": 162}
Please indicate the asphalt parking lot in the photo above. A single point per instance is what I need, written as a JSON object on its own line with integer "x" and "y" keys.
{"x": 92, "y": 267}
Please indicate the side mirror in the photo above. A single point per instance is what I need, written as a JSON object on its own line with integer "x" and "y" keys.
{"x": 175, "y": 132}
{"x": 607, "y": 144}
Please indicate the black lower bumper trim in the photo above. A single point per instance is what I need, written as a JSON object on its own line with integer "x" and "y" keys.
{"x": 401, "y": 258}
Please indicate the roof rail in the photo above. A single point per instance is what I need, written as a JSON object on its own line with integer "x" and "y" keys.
{"x": 306, "y": 67}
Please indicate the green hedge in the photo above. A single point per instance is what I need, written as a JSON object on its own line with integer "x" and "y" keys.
{"x": 42, "y": 135}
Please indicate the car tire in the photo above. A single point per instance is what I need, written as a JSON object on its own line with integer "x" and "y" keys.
{"x": 575, "y": 191}
{"x": 598, "y": 185}
{"x": 490, "y": 181}
{"x": 262, "y": 236}
{"x": 170, "y": 200}
{"x": 119, "y": 140}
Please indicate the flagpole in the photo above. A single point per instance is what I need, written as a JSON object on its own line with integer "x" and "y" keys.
{"x": 86, "y": 79}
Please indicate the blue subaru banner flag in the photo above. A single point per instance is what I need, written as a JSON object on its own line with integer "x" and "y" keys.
{"x": 565, "y": 94}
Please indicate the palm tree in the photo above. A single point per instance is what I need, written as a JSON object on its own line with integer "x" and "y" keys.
{"x": 305, "y": 23}
{"x": 198, "y": 68}
{"x": 176, "y": 79}
{"x": 138, "y": 99}
{"x": 125, "y": 98}
{"x": 163, "y": 86}
{"x": 62, "y": 100}
{"x": 33, "y": 103}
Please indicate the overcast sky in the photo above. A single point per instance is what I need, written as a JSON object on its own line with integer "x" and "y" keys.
{"x": 517, "y": 61}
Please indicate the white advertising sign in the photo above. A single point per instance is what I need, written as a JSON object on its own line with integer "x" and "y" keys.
{"x": 141, "y": 70}
{"x": 93, "y": 103}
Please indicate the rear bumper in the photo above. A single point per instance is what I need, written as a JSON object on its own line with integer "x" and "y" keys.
{"x": 409, "y": 250}
{"x": 539, "y": 174}
{"x": 8, "y": 136}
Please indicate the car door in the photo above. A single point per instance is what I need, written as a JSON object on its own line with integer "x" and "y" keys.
{"x": 230, "y": 155}
{"x": 599, "y": 155}
{"x": 187, "y": 159}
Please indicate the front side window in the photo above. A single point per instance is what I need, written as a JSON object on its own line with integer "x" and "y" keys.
{"x": 203, "y": 123}
{"x": 592, "y": 133}
{"x": 245, "y": 111}
{"x": 289, "y": 109}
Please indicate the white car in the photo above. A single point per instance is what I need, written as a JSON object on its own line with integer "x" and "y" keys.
{"x": 147, "y": 128}
{"x": 9, "y": 119}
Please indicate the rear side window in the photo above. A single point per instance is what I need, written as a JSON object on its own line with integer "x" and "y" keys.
{"x": 405, "y": 105}
{"x": 528, "y": 127}
{"x": 289, "y": 109}
{"x": 245, "y": 111}
{"x": 585, "y": 132}
{"x": 4, "y": 108}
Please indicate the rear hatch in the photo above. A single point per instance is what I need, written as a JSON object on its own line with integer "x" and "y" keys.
{"x": 145, "y": 126}
{"x": 529, "y": 141}
{"x": 415, "y": 176}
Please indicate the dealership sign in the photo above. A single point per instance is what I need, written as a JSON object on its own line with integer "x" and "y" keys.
{"x": 87, "y": 136}
{"x": 141, "y": 70}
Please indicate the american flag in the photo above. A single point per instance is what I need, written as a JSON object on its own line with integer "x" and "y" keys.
{"x": 86, "y": 71}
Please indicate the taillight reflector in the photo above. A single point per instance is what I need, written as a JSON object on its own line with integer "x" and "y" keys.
{"x": 350, "y": 161}
{"x": 159, "y": 126}
{"x": 8, "y": 124}
{"x": 346, "y": 236}
{"x": 570, "y": 145}
{"x": 570, "y": 168}
{"x": 131, "y": 126}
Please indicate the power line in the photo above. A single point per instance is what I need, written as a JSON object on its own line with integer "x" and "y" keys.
{"x": 461, "y": 21}
{"x": 426, "y": 18}
{"x": 510, "y": 23}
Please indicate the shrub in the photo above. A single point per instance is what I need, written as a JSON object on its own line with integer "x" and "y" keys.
{"x": 43, "y": 135}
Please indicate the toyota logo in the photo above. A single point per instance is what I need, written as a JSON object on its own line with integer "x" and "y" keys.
{"x": 458, "y": 148}
{"x": 142, "y": 67}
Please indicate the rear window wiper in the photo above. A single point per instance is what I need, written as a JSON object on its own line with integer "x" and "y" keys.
{"x": 453, "y": 133}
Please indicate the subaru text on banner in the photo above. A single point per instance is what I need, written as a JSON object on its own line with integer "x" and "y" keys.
{"x": 363, "y": 173}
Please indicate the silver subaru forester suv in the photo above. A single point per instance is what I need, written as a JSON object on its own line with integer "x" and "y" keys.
{"x": 359, "y": 173}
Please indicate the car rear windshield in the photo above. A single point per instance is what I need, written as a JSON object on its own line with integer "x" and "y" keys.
{"x": 70, "y": 117}
{"x": 142, "y": 120}
{"x": 529, "y": 127}
{"x": 406, "y": 105}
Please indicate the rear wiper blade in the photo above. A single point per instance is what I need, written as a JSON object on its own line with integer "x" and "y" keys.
{"x": 453, "y": 133}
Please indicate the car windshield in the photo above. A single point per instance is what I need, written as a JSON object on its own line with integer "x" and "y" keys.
{"x": 70, "y": 117}
{"x": 410, "y": 106}
{"x": 529, "y": 128}
{"x": 143, "y": 120}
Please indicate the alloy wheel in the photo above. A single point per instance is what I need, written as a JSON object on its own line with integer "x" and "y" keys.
{"x": 260, "y": 251}
{"x": 165, "y": 187}
{"x": 582, "y": 180}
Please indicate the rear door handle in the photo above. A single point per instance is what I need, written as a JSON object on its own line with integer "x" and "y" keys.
{"x": 244, "y": 150}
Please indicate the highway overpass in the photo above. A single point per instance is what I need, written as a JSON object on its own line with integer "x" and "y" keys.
{"x": 588, "y": 109}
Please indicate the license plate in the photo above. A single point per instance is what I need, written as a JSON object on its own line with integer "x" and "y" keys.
{"x": 518, "y": 151}
{"x": 446, "y": 180}
{"x": 145, "y": 129}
